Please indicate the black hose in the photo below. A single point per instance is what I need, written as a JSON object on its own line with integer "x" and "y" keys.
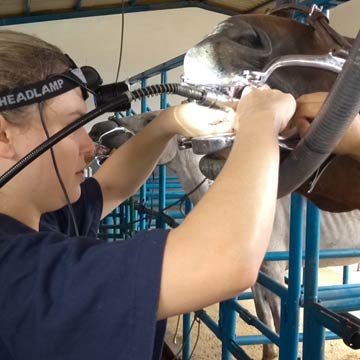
{"x": 337, "y": 113}
{"x": 122, "y": 101}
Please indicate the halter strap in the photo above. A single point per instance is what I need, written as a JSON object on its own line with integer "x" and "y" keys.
{"x": 318, "y": 21}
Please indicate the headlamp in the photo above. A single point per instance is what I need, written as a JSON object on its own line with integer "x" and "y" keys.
{"x": 86, "y": 77}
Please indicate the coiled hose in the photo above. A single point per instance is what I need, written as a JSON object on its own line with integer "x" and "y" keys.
{"x": 337, "y": 113}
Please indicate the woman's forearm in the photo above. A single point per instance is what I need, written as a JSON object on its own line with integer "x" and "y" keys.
{"x": 132, "y": 163}
{"x": 229, "y": 229}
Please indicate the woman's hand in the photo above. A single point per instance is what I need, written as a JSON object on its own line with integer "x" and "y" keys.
{"x": 191, "y": 120}
{"x": 308, "y": 107}
{"x": 268, "y": 104}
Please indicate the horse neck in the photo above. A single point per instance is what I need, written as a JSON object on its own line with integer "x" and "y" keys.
{"x": 185, "y": 165}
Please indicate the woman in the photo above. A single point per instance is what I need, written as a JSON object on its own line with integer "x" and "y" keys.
{"x": 68, "y": 296}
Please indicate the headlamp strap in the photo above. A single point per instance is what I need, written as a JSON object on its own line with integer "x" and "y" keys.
{"x": 34, "y": 93}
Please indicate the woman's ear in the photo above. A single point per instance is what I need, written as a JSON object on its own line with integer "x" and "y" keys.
{"x": 7, "y": 150}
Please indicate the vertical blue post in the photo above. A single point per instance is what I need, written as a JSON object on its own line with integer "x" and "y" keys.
{"x": 143, "y": 188}
{"x": 188, "y": 206}
{"x": 289, "y": 327}
{"x": 227, "y": 327}
{"x": 314, "y": 332}
{"x": 163, "y": 97}
{"x": 162, "y": 195}
{"x": 346, "y": 274}
{"x": 108, "y": 231}
{"x": 117, "y": 221}
{"x": 186, "y": 317}
{"x": 162, "y": 169}
{"x": 186, "y": 337}
{"x": 143, "y": 201}
{"x": 144, "y": 98}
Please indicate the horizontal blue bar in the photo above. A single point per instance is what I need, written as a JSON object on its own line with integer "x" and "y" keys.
{"x": 351, "y": 304}
{"x": 274, "y": 286}
{"x": 209, "y": 322}
{"x": 232, "y": 346}
{"x": 168, "y": 186}
{"x": 252, "y": 340}
{"x": 64, "y": 15}
{"x": 254, "y": 321}
{"x": 338, "y": 287}
{"x": 339, "y": 294}
{"x": 246, "y": 296}
{"x": 261, "y": 339}
{"x": 324, "y": 254}
{"x": 156, "y": 70}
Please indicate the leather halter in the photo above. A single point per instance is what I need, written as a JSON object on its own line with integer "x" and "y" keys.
{"x": 319, "y": 22}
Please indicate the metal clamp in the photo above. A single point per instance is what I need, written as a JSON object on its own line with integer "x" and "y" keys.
{"x": 258, "y": 78}
{"x": 210, "y": 144}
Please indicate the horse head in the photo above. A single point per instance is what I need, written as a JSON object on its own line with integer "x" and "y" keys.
{"x": 250, "y": 42}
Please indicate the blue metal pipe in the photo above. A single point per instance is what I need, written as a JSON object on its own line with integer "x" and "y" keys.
{"x": 143, "y": 191}
{"x": 163, "y": 97}
{"x": 274, "y": 286}
{"x": 346, "y": 304}
{"x": 151, "y": 186}
{"x": 186, "y": 337}
{"x": 339, "y": 294}
{"x": 337, "y": 287}
{"x": 289, "y": 327}
{"x": 209, "y": 322}
{"x": 233, "y": 347}
{"x": 162, "y": 194}
{"x": 186, "y": 323}
{"x": 246, "y": 296}
{"x": 346, "y": 274}
{"x": 252, "y": 340}
{"x": 97, "y": 12}
{"x": 156, "y": 70}
{"x": 144, "y": 100}
{"x": 314, "y": 332}
{"x": 254, "y": 321}
{"x": 324, "y": 254}
{"x": 156, "y": 179}
{"x": 227, "y": 325}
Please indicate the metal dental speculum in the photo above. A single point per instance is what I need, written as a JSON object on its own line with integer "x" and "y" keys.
{"x": 210, "y": 144}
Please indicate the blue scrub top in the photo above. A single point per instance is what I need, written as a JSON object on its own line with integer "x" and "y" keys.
{"x": 65, "y": 297}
